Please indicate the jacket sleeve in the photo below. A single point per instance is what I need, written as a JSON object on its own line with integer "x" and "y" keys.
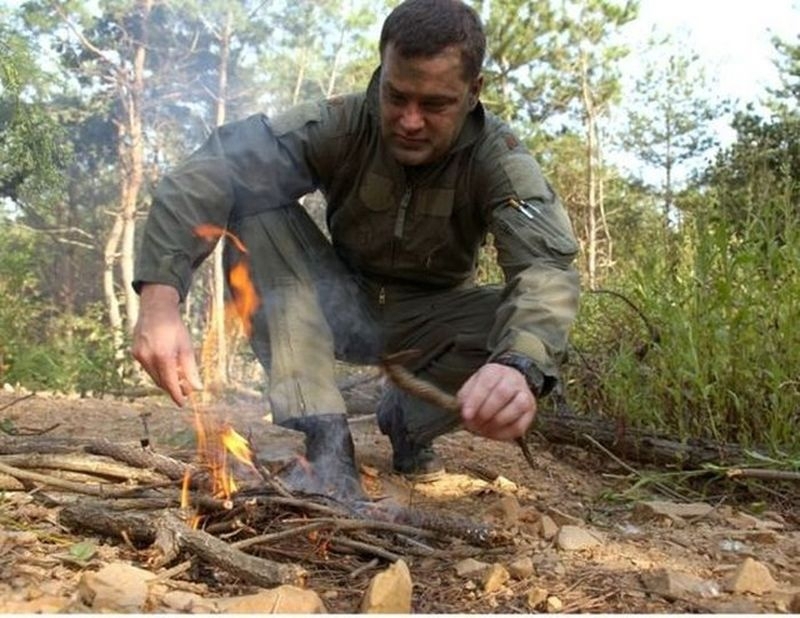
{"x": 535, "y": 249}
{"x": 243, "y": 168}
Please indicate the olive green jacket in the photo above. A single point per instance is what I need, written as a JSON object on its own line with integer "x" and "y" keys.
{"x": 392, "y": 224}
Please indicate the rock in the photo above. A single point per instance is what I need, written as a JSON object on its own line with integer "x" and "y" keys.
{"x": 536, "y": 596}
{"x": 469, "y": 567}
{"x": 495, "y": 578}
{"x": 504, "y": 512}
{"x": 116, "y": 588}
{"x": 389, "y": 592}
{"x": 677, "y": 585}
{"x": 280, "y": 600}
{"x": 549, "y": 528}
{"x": 521, "y": 568}
{"x": 573, "y": 538}
{"x": 794, "y": 604}
{"x": 554, "y": 605}
{"x": 672, "y": 510}
{"x": 751, "y": 576}
{"x": 187, "y": 602}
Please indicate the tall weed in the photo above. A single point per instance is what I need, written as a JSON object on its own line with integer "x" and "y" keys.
{"x": 726, "y": 305}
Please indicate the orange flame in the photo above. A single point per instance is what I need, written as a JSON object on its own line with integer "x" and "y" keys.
{"x": 245, "y": 297}
{"x": 208, "y": 231}
{"x": 217, "y": 440}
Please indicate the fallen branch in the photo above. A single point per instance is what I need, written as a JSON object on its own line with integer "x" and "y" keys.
{"x": 98, "y": 489}
{"x": 133, "y": 454}
{"x": 251, "y": 569}
{"x": 80, "y": 462}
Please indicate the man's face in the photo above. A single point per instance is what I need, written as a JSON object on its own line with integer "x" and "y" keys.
{"x": 424, "y": 102}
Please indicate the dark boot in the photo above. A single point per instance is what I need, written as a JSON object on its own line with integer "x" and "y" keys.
{"x": 331, "y": 454}
{"x": 417, "y": 461}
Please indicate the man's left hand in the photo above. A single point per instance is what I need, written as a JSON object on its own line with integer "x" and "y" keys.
{"x": 497, "y": 403}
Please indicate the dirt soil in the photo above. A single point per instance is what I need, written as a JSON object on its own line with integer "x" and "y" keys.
{"x": 486, "y": 481}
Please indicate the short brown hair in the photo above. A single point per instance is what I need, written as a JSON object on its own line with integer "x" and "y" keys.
{"x": 426, "y": 27}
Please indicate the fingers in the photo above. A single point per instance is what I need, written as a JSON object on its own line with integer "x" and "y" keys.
{"x": 164, "y": 349}
{"x": 497, "y": 403}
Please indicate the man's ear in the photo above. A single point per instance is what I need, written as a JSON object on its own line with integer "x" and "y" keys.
{"x": 475, "y": 91}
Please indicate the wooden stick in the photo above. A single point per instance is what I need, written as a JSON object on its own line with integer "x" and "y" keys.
{"x": 81, "y": 462}
{"x": 763, "y": 474}
{"x": 133, "y": 454}
{"x": 426, "y": 391}
{"x": 100, "y": 490}
{"x": 16, "y": 401}
{"x": 251, "y": 569}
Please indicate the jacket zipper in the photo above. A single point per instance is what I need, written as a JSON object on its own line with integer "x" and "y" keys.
{"x": 400, "y": 222}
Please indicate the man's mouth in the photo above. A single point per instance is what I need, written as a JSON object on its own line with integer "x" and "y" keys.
{"x": 409, "y": 142}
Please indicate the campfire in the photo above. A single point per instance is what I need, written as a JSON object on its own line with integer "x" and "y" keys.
{"x": 255, "y": 522}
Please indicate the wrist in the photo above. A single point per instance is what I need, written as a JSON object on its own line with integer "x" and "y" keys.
{"x": 532, "y": 374}
{"x": 159, "y": 295}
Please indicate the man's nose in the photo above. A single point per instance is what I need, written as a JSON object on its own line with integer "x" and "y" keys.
{"x": 412, "y": 118}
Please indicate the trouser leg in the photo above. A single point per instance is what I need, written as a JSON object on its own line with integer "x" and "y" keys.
{"x": 309, "y": 312}
{"x": 451, "y": 329}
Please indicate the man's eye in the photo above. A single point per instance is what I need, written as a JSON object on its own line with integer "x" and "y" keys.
{"x": 435, "y": 106}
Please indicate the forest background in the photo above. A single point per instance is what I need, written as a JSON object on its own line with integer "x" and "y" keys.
{"x": 689, "y": 318}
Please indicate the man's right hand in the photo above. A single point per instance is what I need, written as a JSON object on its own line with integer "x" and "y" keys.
{"x": 162, "y": 344}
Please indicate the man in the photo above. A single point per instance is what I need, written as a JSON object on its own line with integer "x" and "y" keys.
{"x": 415, "y": 174}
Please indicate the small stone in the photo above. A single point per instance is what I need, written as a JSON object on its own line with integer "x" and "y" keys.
{"x": 549, "y": 528}
{"x": 469, "y": 567}
{"x": 751, "y": 576}
{"x": 536, "y": 596}
{"x": 677, "y": 585}
{"x": 504, "y": 512}
{"x": 503, "y": 484}
{"x": 495, "y": 578}
{"x": 554, "y": 605}
{"x": 573, "y": 538}
{"x": 116, "y": 588}
{"x": 794, "y": 604}
{"x": 521, "y": 568}
{"x": 677, "y": 512}
{"x": 280, "y": 600}
{"x": 187, "y": 602}
{"x": 389, "y": 592}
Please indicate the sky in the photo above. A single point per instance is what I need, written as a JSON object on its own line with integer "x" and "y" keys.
{"x": 732, "y": 38}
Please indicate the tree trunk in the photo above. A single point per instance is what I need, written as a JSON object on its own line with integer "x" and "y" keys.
{"x": 591, "y": 195}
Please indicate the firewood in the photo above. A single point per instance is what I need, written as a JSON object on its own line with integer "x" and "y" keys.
{"x": 251, "y": 569}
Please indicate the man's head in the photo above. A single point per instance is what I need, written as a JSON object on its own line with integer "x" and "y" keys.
{"x": 431, "y": 57}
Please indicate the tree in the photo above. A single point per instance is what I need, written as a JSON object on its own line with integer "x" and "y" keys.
{"x": 669, "y": 117}
{"x": 586, "y": 78}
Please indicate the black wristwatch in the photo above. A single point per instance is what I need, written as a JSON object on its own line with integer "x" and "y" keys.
{"x": 533, "y": 376}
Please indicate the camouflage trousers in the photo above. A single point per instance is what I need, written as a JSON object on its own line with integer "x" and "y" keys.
{"x": 314, "y": 309}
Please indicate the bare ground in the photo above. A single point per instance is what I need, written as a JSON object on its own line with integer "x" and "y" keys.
{"x": 487, "y": 481}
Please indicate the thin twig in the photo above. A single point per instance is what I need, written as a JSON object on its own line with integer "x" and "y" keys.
{"x": 368, "y": 548}
{"x": 765, "y": 474}
{"x": 364, "y": 567}
{"x": 16, "y": 401}
{"x": 671, "y": 493}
